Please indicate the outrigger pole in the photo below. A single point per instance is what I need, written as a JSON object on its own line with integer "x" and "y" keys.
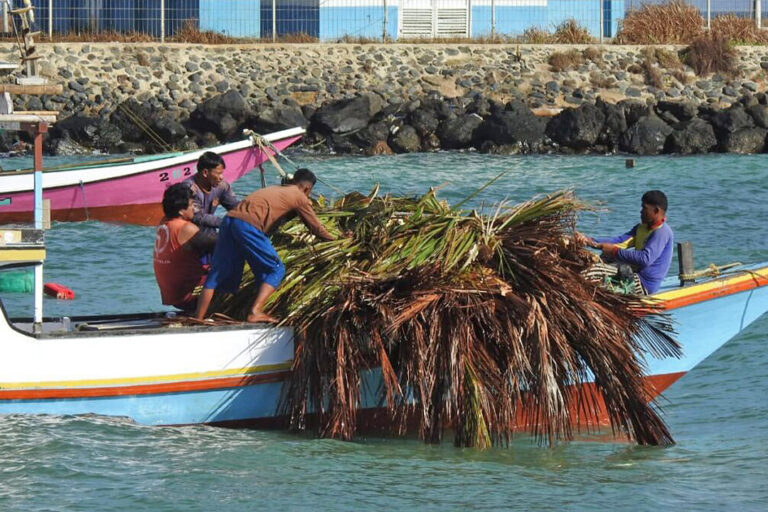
{"x": 23, "y": 247}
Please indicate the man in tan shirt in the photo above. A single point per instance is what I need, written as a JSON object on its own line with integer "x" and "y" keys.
{"x": 244, "y": 236}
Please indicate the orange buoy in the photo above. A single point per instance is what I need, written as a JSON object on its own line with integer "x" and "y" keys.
{"x": 58, "y": 291}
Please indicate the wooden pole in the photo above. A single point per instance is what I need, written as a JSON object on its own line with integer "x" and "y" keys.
{"x": 685, "y": 261}
{"x": 38, "y": 131}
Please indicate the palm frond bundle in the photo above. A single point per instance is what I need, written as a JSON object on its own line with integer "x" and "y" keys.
{"x": 478, "y": 322}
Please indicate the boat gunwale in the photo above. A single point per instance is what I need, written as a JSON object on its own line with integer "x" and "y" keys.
{"x": 230, "y": 147}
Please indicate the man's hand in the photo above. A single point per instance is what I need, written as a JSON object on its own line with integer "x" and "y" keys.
{"x": 608, "y": 249}
{"x": 584, "y": 240}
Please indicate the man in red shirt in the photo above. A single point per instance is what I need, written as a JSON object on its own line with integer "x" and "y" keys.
{"x": 178, "y": 247}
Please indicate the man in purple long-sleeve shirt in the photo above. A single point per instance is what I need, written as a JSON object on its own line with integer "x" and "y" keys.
{"x": 647, "y": 247}
{"x": 209, "y": 190}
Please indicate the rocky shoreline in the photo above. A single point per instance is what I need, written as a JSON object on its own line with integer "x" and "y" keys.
{"x": 380, "y": 99}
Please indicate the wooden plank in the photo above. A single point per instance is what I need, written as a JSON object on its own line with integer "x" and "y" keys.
{"x": 36, "y": 112}
{"x": 23, "y": 236}
{"x": 33, "y": 89}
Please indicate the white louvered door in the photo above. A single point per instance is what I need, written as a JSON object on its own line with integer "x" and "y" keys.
{"x": 434, "y": 19}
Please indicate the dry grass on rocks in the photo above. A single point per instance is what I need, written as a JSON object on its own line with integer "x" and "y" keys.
{"x": 570, "y": 32}
{"x": 738, "y": 30}
{"x": 535, "y": 35}
{"x": 673, "y": 23}
{"x": 563, "y": 61}
{"x": 711, "y": 54}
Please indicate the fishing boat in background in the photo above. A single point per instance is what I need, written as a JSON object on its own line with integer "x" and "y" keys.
{"x": 156, "y": 371}
{"x": 127, "y": 190}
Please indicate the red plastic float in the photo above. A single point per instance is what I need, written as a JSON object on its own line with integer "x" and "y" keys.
{"x": 58, "y": 291}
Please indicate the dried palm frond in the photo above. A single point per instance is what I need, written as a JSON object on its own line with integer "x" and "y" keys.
{"x": 442, "y": 317}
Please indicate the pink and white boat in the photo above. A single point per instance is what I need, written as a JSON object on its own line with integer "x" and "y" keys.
{"x": 129, "y": 190}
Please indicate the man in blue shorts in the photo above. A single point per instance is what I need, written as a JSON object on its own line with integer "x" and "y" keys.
{"x": 244, "y": 236}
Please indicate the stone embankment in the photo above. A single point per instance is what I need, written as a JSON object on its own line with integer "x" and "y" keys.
{"x": 376, "y": 99}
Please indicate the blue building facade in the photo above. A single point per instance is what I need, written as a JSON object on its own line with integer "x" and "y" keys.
{"x": 327, "y": 20}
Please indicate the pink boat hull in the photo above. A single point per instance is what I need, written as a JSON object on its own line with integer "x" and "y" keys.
{"x": 134, "y": 198}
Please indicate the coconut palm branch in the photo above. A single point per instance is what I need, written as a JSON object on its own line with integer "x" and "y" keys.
{"x": 479, "y": 323}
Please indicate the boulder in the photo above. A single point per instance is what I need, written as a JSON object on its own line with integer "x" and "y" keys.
{"x": 460, "y": 132}
{"x": 682, "y": 110}
{"x": 88, "y": 132}
{"x": 280, "y": 117}
{"x": 759, "y": 114}
{"x": 634, "y": 110}
{"x": 405, "y": 140}
{"x": 222, "y": 115}
{"x": 745, "y": 140}
{"x": 516, "y": 125}
{"x": 692, "y": 137}
{"x": 577, "y": 128}
{"x": 614, "y": 125}
{"x": 342, "y": 116}
{"x": 65, "y": 146}
{"x": 646, "y": 137}
{"x": 370, "y": 136}
{"x": 730, "y": 120}
{"x": 424, "y": 120}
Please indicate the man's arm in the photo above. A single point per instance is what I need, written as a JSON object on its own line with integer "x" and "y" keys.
{"x": 654, "y": 246}
{"x": 201, "y": 217}
{"x": 203, "y": 242}
{"x": 309, "y": 218}
{"x": 227, "y": 198}
{"x": 617, "y": 239}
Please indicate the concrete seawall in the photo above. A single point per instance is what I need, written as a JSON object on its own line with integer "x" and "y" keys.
{"x": 176, "y": 79}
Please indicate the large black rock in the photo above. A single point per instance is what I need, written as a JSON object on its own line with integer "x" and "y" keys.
{"x": 515, "y": 125}
{"x": 405, "y": 140}
{"x": 577, "y": 128}
{"x": 634, "y": 110}
{"x": 759, "y": 114}
{"x": 424, "y": 120}
{"x": 614, "y": 126}
{"x": 682, "y": 110}
{"x": 280, "y": 117}
{"x": 88, "y": 132}
{"x": 368, "y": 137}
{"x": 343, "y": 116}
{"x": 730, "y": 120}
{"x": 222, "y": 115}
{"x": 746, "y": 140}
{"x": 460, "y": 132}
{"x": 646, "y": 137}
{"x": 695, "y": 136}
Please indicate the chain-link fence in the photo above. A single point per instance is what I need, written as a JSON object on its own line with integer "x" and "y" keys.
{"x": 334, "y": 20}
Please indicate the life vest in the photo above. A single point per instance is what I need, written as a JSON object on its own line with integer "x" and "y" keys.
{"x": 642, "y": 233}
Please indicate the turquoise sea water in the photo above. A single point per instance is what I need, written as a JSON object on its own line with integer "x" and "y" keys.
{"x": 718, "y": 413}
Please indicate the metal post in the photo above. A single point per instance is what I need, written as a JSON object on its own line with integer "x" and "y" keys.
{"x": 758, "y": 14}
{"x": 50, "y": 19}
{"x": 38, "y": 132}
{"x": 602, "y": 28}
{"x": 709, "y": 14}
{"x": 274, "y": 20}
{"x": 386, "y": 21}
{"x": 493, "y": 20}
{"x": 162, "y": 21}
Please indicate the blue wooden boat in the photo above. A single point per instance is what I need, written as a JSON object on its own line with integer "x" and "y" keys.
{"x": 157, "y": 373}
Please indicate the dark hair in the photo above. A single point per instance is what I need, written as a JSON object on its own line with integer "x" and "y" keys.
{"x": 209, "y": 160}
{"x": 175, "y": 198}
{"x": 655, "y": 198}
{"x": 305, "y": 175}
